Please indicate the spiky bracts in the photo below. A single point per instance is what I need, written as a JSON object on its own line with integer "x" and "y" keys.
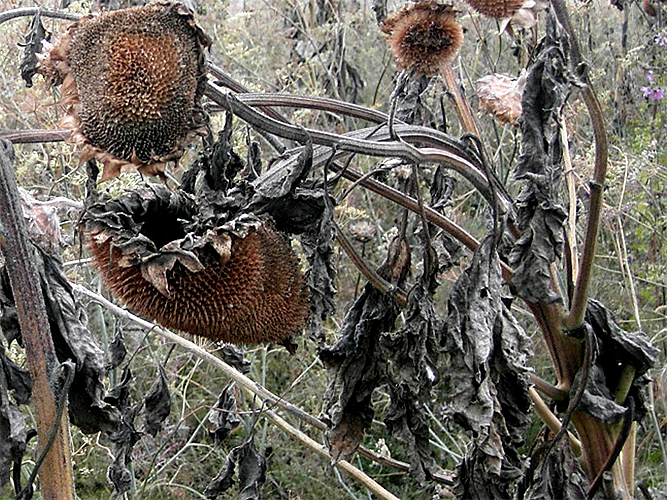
{"x": 423, "y": 36}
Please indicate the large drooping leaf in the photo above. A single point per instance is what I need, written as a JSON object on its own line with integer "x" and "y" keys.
{"x": 72, "y": 341}
{"x": 356, "y": 367}
{"x": 485, "y": 378}
{"x": 540, "y": 213}
{"x": 410, "y": 372}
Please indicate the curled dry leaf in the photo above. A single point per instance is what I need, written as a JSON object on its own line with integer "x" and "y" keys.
{"x": 500, "y": 95}
{"x": 132, "y": 80}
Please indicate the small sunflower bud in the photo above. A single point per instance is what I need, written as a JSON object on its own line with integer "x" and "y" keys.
{"x": 500, "y": 9}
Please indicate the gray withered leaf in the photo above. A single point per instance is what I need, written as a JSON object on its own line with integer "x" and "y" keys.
{"x": 285, "y": 175}
{"x": 157, "y": 404}
{"x": 225, "y": 478}
{"x": 561, "y": 477}
{"x": 540, "y": 215}
{"x": 620, "y": 346}
{"x": 355, "y": 362}
{"x": 411, "y": 355}
{"x": 224, "y": 415}
{"x": 9, "y": 320}
{"x": 615, "y": 348}
{"x": 117, "y": 350}
{"x": 32, "y": 45}
{"x": 73, "y": 341}
{"x": 12, "y": 431}
{"x": 251, "y": 473}
{"x": 318, "y": 245}
{"x": 355, "y": 370}
{"x": 125, "y": 436}
{"x": 234, "y": 357}
{"x": 17, "y": 379}
{"x": 485, "y": 378}
{"x": 123, "y": 441}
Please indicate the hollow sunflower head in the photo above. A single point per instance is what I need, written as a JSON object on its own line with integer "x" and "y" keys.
{"x": 423, "y": 36}
{"x": 500, "y": 9}
{"x": 133, "y": 79}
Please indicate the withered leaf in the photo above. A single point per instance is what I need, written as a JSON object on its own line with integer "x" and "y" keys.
{"x": 72, "y": 341}
{"x": 355, "y": 370}
{"x": 283, "y": 177}
{"x": 561, "y": 477}
{"x": 615, "y": 348}
{"x": 234, "y": 357}
{"x": 117, "y": 350}
{"x": 12, "y": 432}
{"x": 123, "y": 442}
{"x": 252, "y": 472}
{"x": 541, "y": 217}
{"x": 411, "y": 356}
{"x": 251, "y": 476}
{"x": 225, "y": 478}
{"x": 224, "y": 416}
{"x": 485, "y": 377}
{"x": 17, "y": 379}
{"x": 357, "y": 367}
{"x": 157, "y": 404}
{"x": 32, "y": 46}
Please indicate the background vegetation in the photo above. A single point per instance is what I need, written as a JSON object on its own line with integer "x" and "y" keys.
{"x": 335, "y": 48}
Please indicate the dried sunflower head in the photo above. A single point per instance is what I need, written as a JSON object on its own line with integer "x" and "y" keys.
{"x": 133, "y": 80}
{"x": 500, "y": 9}
{"x": 423, "y": 36}
{"x": 240, "y": 283}
{"x": 500, "y": 95}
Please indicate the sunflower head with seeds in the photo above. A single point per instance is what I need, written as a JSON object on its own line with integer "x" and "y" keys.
{"x": 132, "y": 80}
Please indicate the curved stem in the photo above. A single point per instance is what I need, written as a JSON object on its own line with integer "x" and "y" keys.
{"x": 575, "y": 317}
{"x": 31, "y": 11}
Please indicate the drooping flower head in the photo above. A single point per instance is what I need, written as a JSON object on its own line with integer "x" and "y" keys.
{"x": 133, "y": 79}
{"x": 239, "y": 282}
{"x": 423, "y": 36}
{"x": 500, "y": 9}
